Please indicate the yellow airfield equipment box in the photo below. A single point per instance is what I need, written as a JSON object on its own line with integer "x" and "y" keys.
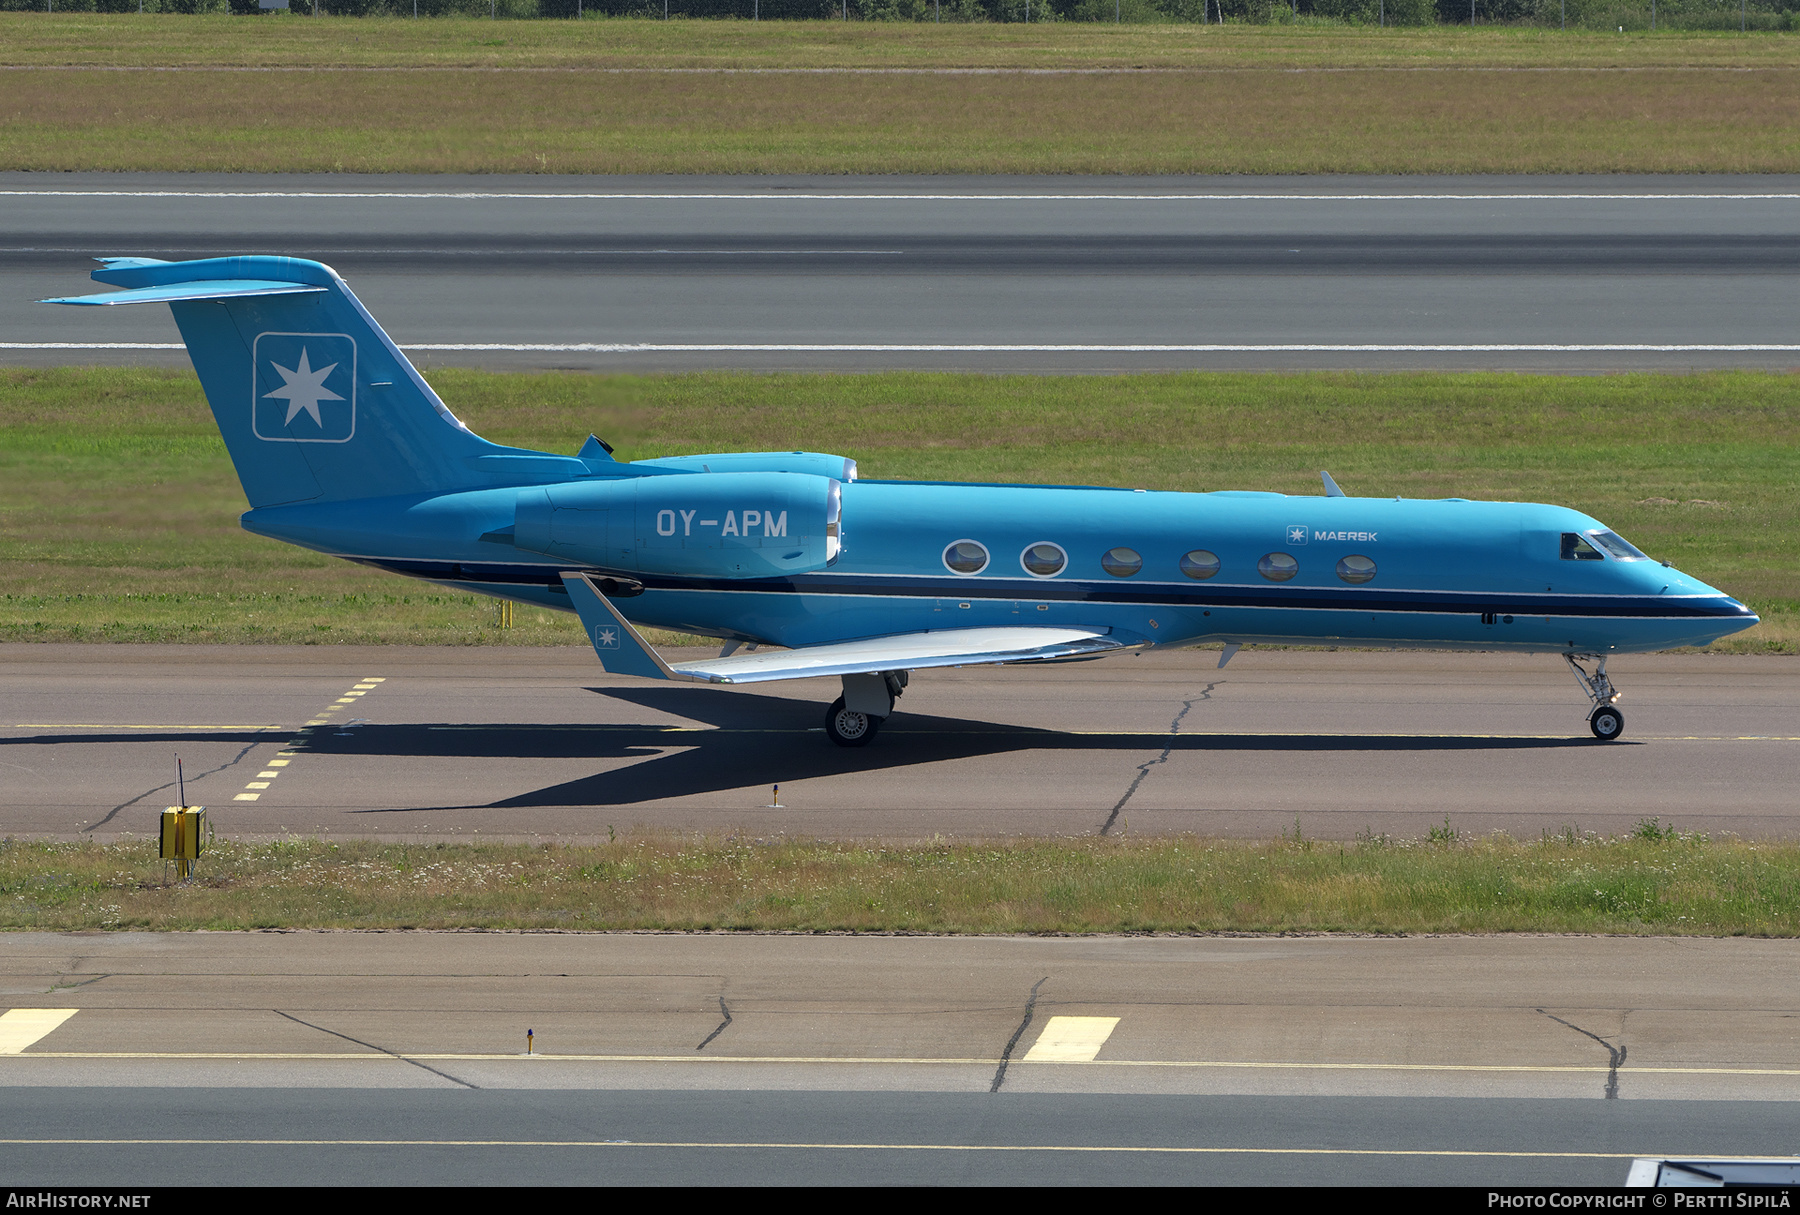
{"x": 185, "y": 833}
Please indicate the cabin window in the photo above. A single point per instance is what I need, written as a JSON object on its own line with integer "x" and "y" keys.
{"x": 1200, "y": 564}
{"x": 1617, "y": 547}
{"x": 1574, "y": 548}
{"x": 1356, "y": 569}
{"x": 1044, "y": 559}
{"x": 1277, "y": 567}
{"x": 966, "y": 557}
{"x": 1121, "y": 562}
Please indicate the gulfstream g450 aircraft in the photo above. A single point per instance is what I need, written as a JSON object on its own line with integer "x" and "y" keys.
{"x": 343, "y": 448}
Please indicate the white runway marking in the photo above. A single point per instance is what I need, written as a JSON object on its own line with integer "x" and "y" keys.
{"x": 20, "y": 1027}
{"x": 1018, "y": 347}
{"x": 786, "y": 196}
{"x": 1071, "y": 1040}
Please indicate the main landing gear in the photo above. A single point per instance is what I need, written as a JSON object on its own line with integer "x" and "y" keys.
{"x": 1605, "y": 721}
{"x": 868, "y": 700}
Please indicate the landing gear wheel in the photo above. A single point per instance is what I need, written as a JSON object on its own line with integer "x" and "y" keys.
{"x": 848, "y": 728}
{"x": 1607, "y": 723}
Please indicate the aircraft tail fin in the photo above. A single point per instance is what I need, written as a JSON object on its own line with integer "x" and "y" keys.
{"x": 314, "y": 401}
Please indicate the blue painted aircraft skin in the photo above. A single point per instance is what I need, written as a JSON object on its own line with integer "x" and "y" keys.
{"x": 343, "y": 448}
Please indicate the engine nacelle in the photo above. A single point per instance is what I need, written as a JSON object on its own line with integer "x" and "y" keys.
{"x": 719, "y": 525}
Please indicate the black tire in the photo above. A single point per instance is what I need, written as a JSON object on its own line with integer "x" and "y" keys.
{"x": 1607, "y": 723}
{"x": 850, "y": 729}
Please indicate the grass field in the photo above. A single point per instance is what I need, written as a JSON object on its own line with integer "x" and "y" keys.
{"x": 287, "y": 41}
{"x": 1653, "y": 882}
{"x": 118, "y": 507}
{"x": 624, "y": 97}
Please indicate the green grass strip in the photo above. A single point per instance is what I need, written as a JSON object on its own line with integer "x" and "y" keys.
{"x": 1656, "y": 881}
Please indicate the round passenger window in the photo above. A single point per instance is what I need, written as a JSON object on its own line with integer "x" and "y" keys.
{"x": 1356, "y": 568}
{"x": 966, "y": 557}
{"x": 1277, "y": 567}
{"x": 1121, "y": 562}
{"x": 1043, "y": 559}
{"x": 1200, "y": 564}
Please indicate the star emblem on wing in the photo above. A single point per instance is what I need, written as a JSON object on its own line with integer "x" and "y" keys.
{"x": 304, "y": 389}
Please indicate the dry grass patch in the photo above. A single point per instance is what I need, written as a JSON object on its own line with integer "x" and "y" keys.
{"x": 110, "y": 40}
{"x": 1252, "y": 121}
{"x": 1657, "y": 881}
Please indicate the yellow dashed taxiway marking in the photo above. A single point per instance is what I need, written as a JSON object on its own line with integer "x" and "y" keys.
{"x": 1071, "y": 1040}
{"x": 20, "y": 1027}
{"x": 321, "y": 718}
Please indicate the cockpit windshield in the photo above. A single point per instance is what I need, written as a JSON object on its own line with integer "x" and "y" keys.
{"x": 1574, "y": 548}
{"x": 1617, "y": 547}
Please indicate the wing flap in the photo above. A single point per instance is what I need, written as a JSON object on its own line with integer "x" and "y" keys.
{"x": 905, "y": 652}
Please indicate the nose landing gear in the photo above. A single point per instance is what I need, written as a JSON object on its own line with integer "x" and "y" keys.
{"x": 1605, "y": 721}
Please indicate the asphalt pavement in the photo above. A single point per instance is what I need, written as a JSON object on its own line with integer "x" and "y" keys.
{"x": 401, "y": 1057}
{"x": 398, "y": 742}
{"x": 1077, "y": 274}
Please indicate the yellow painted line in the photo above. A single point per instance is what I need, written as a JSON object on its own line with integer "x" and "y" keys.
{"x": 374, "y": 679}
{"x": 769, "y": 1145}
{"x": 260, "y": 775}
{"x": 1071, "y": 1040}
{"x": 246, "y": 797}
{"x": 257, "y": 784}
{"x": 20, "y": 1027}
{"x": 867, "y": 1060}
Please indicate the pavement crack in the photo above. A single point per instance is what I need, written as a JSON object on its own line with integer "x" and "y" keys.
{"x": 231, "y": 763}
{"x": 370, "y": 1045}
{"x": 723, "y": 1012}
{"x": 1144, "y": 768}
{"x": 1614, "y": 1053}
{"x": 63, "y": 985}
{"x": 1013, "y": 1042}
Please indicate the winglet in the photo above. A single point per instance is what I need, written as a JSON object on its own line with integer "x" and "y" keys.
{"x": 622, "y": 651}
{"x": 1331, "y": 487}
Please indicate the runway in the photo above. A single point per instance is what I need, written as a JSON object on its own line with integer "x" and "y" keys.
{"x": 1029, "y": 274}
{"x": 422, "y": 743}
{"x": 400, "y": 1057}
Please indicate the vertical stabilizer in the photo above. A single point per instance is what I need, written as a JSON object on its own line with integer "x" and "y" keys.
{"x": 314, "y": 401}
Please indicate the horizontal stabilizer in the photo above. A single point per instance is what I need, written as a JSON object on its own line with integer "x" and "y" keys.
{"x": 623, "y": 652}
{"x": 216, "y": 289}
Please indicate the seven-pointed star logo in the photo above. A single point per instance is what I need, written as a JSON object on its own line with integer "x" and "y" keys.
{"x": 608, "y": 638}
{"x": 304, "y": 389}
{"x": 1296, "y": 534}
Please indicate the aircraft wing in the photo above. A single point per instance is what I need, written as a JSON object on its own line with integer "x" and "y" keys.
{"x": 623, "y": 651}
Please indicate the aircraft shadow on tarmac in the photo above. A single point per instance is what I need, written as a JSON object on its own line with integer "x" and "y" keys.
{"x": 757, "y": 739}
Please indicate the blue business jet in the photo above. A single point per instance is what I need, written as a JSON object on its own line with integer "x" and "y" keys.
{"x": 805, "y": 571}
